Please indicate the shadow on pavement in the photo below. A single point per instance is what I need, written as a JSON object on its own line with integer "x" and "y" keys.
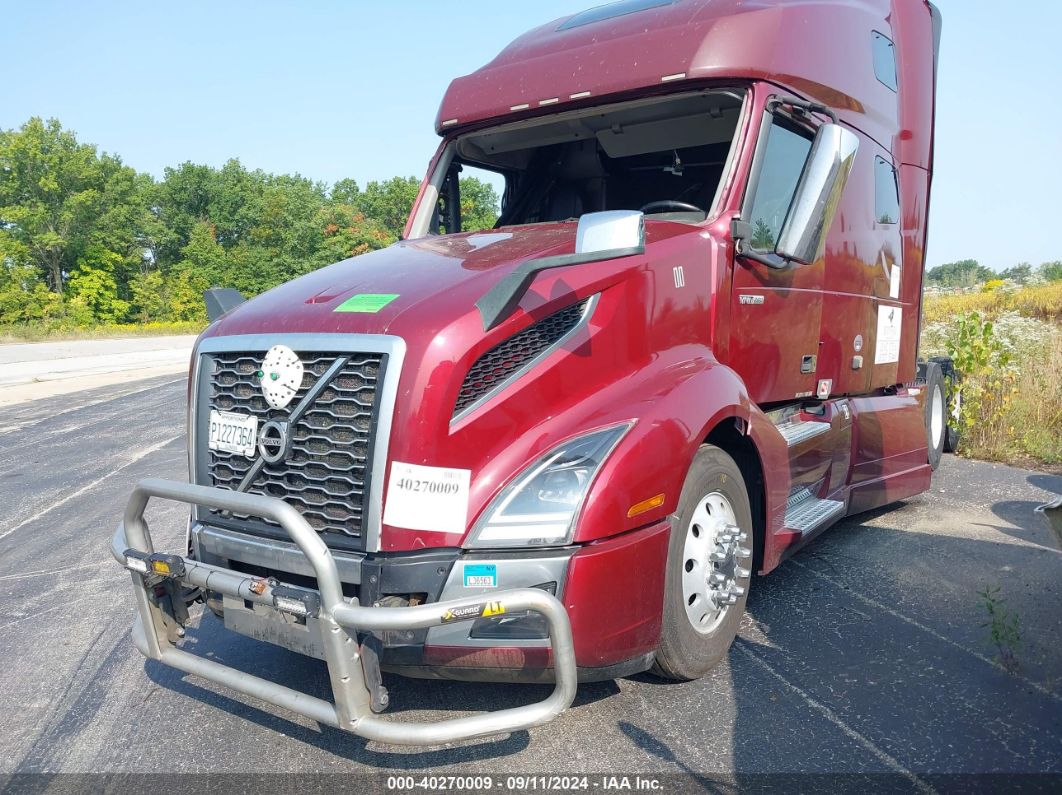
{"x": 408, "y": 697}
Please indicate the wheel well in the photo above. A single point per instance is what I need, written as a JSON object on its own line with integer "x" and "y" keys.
{"x": 727, "y": 436}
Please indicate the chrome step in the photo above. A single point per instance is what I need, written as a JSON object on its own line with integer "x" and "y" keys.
{"x": 800, "y": 431}
{"x": 810, "y": 513}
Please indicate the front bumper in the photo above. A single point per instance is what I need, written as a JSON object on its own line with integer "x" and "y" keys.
{"x": 341, "y": 627}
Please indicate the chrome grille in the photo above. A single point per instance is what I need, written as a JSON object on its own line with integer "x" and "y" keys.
{"x": 327, "y": 472}
{"x": 508, "y": 356}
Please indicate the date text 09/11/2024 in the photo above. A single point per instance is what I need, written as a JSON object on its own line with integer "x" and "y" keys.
{"x": 525, "y": 783}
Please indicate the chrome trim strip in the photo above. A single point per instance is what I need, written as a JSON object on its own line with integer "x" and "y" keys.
{"x": 392, "y": 346}
{"x": 583, "y": 322}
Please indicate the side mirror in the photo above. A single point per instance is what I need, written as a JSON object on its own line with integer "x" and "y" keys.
{"x": 818, "y": 194}
{"x": 220, "y": 301}
{"x": 610, "y": 230}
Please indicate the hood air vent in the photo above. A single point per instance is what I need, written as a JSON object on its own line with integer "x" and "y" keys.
{"x": 509, "y": 359}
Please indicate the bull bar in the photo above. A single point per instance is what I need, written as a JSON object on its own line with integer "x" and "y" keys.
{"x": 339, "y": 622}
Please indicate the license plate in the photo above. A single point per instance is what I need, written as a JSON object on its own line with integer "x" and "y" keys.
{"x": 233, "y": 433}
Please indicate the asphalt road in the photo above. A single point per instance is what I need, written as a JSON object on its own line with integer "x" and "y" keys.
{"x": 865, "y": 653}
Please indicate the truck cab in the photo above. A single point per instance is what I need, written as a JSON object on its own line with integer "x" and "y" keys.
{"x": 559, "y": 447}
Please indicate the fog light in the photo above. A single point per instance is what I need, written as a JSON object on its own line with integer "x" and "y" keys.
{"x": 171, "y": 566}
{"x": 525, "y": 625}
{"x": 139, "y": 565}
{"x": 296, "y": 601}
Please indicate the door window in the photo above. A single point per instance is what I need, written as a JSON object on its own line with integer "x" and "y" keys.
{"x": 782, "y": 162}
{"x": 886, "y": 195}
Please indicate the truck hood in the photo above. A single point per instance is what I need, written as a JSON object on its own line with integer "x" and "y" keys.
{"x": 435, "y": 281}
{"x": 425, "y": 275}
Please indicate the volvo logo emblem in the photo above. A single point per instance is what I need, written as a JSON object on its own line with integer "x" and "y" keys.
{"x": 273, "y": 441}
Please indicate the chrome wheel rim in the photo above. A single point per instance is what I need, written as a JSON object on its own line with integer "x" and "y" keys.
{"x": 936, "y": 418}
{"x": 716, "y": 563}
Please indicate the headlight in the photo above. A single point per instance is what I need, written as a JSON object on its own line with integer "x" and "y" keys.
{"x": 542, "y": 504}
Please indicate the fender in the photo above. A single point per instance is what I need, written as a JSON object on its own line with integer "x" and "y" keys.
{"x": 680, "y": 403}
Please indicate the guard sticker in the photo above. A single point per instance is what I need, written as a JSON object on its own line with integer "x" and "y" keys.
{"x": 887, "y": 347}
{"x": 484, "y": 610}
{"x": 432, "y": 499}
{"x": 481, "y": 575}
{"x": 369, "y": 303}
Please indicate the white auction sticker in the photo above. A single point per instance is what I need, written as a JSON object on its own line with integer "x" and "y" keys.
{"x": 434, "y": 499}
{"x": 887, "y": 347}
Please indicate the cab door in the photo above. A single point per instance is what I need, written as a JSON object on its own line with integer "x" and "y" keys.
{"x": 864, "y": 278}
{"x": 776, "y": 308}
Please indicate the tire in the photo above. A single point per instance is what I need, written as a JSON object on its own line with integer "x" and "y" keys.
{"x": 953, "y": 396}
{"x": 936, "y": 412}
{"x": 714, "y": 495}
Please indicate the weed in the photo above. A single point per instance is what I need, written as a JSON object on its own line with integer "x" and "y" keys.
{"x": 1004, "y": 627}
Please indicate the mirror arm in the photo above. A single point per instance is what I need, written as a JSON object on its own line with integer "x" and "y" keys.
{"x": 741, "y": 231}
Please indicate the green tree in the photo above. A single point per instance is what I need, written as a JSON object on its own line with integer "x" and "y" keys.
{"x": 1019, "y": 273}
{"x": 388, "y": 203}
{"x": 1051, "y": 271}
{"x": 965, "y": 273}
{"x": 58, "y": 197}
{"x": 151, "y": 297}
{"x": 479, "y": 205}
{"x": 24, "y": 297}
{"x": 94, "y": 285}
{"x": 345, "y": 191}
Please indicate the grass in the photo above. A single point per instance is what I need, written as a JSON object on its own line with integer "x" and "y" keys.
{"x": 45, "y": 333}
{"x": 1014, "y": 415}
{"x": 1042, "y": 302}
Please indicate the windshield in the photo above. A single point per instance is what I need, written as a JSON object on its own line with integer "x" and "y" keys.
{"x": 664, "y": 156}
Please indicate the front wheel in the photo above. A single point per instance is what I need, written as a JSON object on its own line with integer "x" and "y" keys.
{"x": 708, "y": 569}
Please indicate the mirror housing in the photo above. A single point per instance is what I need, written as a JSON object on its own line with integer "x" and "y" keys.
{"x": 818, "y": 194}
{"x": 610, "y": 230}
{"x": 220, "y": 301}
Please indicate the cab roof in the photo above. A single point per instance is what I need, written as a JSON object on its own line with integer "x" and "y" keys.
{"x": 818, "y": 49}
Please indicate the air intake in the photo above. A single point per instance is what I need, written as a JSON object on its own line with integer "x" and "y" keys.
{"x": 508, "y": 360}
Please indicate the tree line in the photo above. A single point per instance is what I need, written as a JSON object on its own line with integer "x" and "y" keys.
{"x": 970, "y": 273}
{"x": 87, "y": 240}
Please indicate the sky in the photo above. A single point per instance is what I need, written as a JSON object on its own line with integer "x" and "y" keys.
{"x": 332, "y": 89}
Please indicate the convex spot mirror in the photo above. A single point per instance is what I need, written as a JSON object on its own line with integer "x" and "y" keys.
{"x": 818, "y": 194}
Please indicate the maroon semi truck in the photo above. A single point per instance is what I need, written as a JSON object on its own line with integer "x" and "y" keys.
{"x": 558, "y": 449}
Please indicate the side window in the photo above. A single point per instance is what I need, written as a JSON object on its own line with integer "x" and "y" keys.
{"x": 884, "y": 59}
{"x": 886, "y": 193}
{"x": 469, "y": 201}
{"x": 782, "y": 162}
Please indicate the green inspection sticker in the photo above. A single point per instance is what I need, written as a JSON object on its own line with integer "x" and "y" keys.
{"x": 366, "y": 302}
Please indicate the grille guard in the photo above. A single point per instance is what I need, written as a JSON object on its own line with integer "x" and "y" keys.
{"x": 339, "y": 622}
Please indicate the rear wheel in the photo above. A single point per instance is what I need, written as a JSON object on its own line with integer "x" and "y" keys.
{"x": 953, "y": 396}
{"x": 708, "y": 569}
{"x": 936, "y": 410}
